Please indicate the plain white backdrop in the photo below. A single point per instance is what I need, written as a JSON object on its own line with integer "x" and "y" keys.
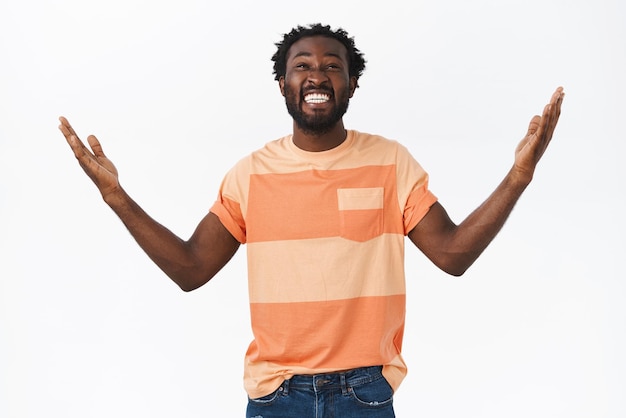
{"x": 177, "y": 92}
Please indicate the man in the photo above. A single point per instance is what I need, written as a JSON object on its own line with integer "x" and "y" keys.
{"x": 324, "y": 212}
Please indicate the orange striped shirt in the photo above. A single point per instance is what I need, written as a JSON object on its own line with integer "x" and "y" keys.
{"x": 325, "y": 245}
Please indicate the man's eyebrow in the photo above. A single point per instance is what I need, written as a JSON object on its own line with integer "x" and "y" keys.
{"x": 308, "y": 54}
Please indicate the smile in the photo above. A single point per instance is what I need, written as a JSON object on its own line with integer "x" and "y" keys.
{"x": 314, "y": 98}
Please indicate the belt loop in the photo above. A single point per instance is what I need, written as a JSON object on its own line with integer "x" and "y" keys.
{"x": 344, "y": 387}
{"x": 286, "y": 387}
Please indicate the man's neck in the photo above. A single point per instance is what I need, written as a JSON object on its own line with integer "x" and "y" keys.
{"x": 319, "y": 142}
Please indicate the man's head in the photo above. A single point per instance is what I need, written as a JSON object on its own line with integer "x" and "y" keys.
{"x": 355, "y": 57}
{"x": 317, "y": 70}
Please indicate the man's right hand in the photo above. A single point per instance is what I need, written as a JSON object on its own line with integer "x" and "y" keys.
{"x": 97, "y": 166}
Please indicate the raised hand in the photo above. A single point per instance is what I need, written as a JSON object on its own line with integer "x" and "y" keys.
{"x": 95, "y": 164}
{"x": 537, "y": 139}
{"x": 189, "y": 263}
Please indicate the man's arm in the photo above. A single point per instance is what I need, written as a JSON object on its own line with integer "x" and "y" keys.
{"x": 454, "y": 248}
{"x": 189, "y": 263}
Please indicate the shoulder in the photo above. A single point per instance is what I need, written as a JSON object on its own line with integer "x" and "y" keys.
{"x": 276, "y": 148}
{"x": 380, "y": 144}
{"x": 260, "y": 159}
{"x": 389, "y": 151}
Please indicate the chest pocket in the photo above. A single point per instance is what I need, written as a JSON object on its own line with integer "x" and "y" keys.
{"x": 361, "y": 212}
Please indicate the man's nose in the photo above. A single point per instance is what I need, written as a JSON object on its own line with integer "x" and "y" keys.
{"x": 317, "y": 76}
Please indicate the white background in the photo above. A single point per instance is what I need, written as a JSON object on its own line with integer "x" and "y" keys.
{"x": 179, "y": 91}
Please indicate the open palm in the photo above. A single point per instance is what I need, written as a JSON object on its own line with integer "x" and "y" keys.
{"x": 95, "y": 164}
{"x": 540, "y": 130}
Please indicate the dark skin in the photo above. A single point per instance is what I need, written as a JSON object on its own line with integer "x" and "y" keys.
{"x": 318, "y": 65}
{"x": 454, "y": 248}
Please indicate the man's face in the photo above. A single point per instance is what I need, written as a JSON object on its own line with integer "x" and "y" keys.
{"x": 317, "y": 86}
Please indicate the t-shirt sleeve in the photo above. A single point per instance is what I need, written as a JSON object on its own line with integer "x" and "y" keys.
{"x": 415, "y": 196}
{"x": 229, "y": 202}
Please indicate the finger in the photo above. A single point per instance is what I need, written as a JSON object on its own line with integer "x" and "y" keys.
{"x": 68, "y": 128}
{"x": 65, "y": 130}
{"x": 555, "y": 110}
{"x": 534, "y": 125}
{"x": 71, "y": 138}
{"x": 558, "y": 103}
{"x": 547, "y": 112}
{"x": 558, "y": 94}
{"x": 70, "y": 135}
{"x": 80, "y": 150}
{"x": 546, "y": 118}
{"x": 556, "y": 100}
{"x": 95, "y": 146}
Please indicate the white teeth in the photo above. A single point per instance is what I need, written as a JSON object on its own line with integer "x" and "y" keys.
{"x": 316, "y": 98}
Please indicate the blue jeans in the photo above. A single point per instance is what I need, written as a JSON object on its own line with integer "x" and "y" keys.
{"x": 356, "y": 393}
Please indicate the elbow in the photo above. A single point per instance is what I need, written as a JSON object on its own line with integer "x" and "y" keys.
{"x": 189, "y": 283}
{"x": 186, "y": 288}
{"x": 456, "y": 272}
{"x": 455, "y": 266}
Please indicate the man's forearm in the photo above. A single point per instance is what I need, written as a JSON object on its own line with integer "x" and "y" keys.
{"x": 173, "y": 255}
{"x": 454, "y": 248}
{"x": 477, "y": 231}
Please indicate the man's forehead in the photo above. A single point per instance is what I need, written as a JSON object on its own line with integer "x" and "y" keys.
{"x": 317, "y": 43}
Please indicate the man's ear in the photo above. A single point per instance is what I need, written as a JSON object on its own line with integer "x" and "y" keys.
{"x": 354, "y": 83}
{"x": 281, "y": 84}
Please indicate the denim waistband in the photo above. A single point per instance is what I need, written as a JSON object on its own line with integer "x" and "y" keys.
{"x": 333, "y": 381}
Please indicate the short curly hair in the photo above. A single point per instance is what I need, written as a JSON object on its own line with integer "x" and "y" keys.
{"x": 357, "y": 61}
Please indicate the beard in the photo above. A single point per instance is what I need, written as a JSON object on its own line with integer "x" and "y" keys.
{"x": 319, "y": 123}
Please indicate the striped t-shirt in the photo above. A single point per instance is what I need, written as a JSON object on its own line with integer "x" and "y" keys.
{"x": 325, "y": 246}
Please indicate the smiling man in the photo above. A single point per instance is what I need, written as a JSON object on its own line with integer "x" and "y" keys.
{"x": 317, "y": 86}
{"x": 324, "y": 212}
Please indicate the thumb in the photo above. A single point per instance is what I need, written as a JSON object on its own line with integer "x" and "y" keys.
{"x": 534, "y": 124}
{"x": 95, "y": 146}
